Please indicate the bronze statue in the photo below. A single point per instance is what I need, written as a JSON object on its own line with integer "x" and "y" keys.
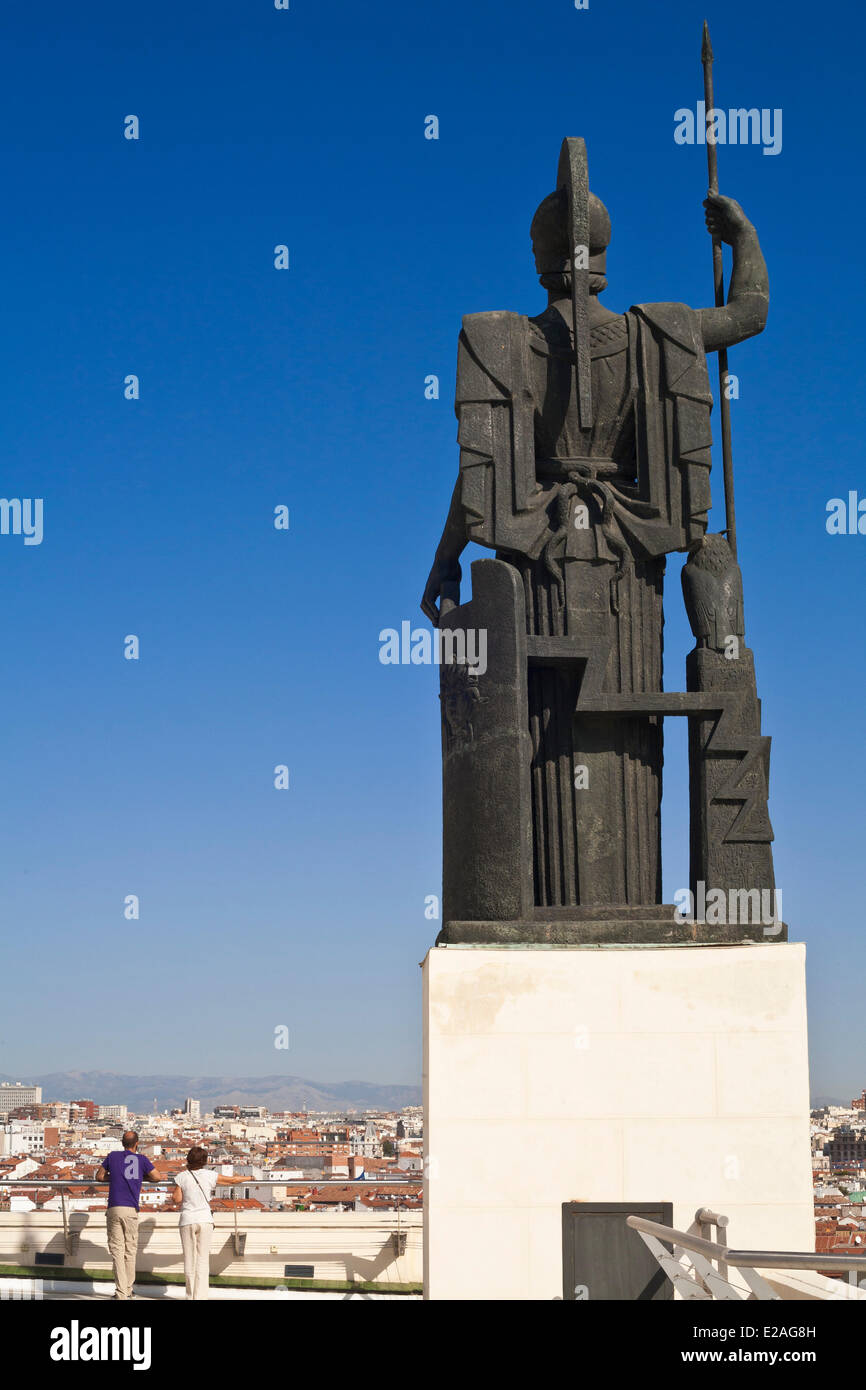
{"x": 585, "y": 452}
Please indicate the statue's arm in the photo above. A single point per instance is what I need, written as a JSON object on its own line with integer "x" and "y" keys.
{"x": 443, "y": 583}
{"x": 485, "y": 367}
{"x": 745, "y": 313}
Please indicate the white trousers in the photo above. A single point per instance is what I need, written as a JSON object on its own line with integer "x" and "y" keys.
{"x": 195, "y": 1239}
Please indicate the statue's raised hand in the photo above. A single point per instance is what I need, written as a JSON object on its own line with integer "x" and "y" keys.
{"x": 725, "y": 219}
{"x": 443, "y": 584}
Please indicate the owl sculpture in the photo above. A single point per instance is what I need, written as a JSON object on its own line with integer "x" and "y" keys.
{"x": 713, "y": 591}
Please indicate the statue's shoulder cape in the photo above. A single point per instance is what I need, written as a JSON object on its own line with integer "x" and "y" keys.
{"x": 505, "y": 505}
{"x": 491, "y": 353}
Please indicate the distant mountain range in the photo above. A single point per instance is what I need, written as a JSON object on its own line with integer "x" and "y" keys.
{"x": 276, "y": 1092}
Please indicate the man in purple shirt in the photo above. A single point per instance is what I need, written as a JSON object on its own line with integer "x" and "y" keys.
{"x": 125, "y": 1170}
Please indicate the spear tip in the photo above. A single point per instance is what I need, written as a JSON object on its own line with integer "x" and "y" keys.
{"x": 706, "y": 46}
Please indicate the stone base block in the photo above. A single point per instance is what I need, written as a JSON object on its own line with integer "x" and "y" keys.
{"x": 558, "y": 1074}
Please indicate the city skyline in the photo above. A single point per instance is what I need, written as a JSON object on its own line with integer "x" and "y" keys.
{"x": 304, "y": 909}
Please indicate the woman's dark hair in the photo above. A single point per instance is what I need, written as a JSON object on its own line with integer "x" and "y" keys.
{"x": 197, "y": 1157}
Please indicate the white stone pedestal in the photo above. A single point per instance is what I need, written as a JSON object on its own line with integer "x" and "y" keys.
{"x": 561, "y": 1074}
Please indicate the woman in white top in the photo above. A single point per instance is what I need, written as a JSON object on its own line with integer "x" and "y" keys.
{"x": 194, "y": 1189}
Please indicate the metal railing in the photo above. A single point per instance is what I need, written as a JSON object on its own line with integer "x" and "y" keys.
{"x": 699, "y": 1278}
{"x": 239, "y": 1237}
{"x": 408, "y": 1179}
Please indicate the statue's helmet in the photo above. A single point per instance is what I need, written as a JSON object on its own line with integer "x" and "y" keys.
{"x": 550, "y": 235}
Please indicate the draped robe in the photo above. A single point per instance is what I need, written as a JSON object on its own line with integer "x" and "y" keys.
{"x": 587, "y": 518}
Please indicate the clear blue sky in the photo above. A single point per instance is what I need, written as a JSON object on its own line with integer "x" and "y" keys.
{"x": 306, "y": 387}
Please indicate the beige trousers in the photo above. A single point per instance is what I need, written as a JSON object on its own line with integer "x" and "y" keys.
{"x": 122, "y": 1227}
{"x": 195, "y": 1239}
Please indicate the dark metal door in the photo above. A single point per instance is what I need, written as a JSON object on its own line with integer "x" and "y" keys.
{"x": 603, "y": 1258}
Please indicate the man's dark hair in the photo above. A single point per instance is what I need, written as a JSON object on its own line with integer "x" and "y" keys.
{"x": 197, "y": 1157}
{"x": 129, "y": 1139}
